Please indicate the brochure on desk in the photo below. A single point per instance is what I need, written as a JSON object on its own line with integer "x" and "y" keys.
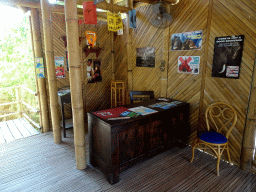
{"x": 165, "y": 105}
{"x": 143, "y": 110}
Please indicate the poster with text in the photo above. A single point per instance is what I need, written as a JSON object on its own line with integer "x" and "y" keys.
{"x": 59, "y": 67}
{"x": 39, "y": 67}
{"x": 187, "y": 41}
{"x": 227, "y": 56}
{"x": 189, "y": 64}
{"x": 145, "y": 57}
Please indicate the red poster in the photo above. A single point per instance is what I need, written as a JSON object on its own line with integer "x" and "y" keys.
{"x": 110, "y": 113}
{"x": 90, "y": 15}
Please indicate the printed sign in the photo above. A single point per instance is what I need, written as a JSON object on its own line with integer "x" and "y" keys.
{"x": 39, "y": 67}
{"x": 188, "y": 64}
{"x": 89, "y": 12}
{"x": 187, "y": 41}
{"x": 132, "y": 19}
{"x": 114, "y": 21}
{"x": 59, "y": 67}
{"x": 227, "y": 56}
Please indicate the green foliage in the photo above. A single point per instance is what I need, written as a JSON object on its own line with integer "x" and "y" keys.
{"x": 17, "y": 66}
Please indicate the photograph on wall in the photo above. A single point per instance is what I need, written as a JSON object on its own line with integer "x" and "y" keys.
{"x": 39, "y": 67}
{"x": 227, "y": 56}
{"x": 145, "y": 57}
{"x": 97, "y": 75}
{"x": 59, "y": 67}
{"x": 189, "y": 64}
{"x": 187, "y": 41}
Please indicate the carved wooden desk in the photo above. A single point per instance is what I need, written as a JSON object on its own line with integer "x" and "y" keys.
{"x": 116, "y": 145}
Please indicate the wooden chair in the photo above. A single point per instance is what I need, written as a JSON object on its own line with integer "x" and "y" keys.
{"x": 139, "y": 96}
{"x": 220, "y": 120}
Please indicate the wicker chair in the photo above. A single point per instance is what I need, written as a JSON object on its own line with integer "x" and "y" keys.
{"x": 220, "y": 120}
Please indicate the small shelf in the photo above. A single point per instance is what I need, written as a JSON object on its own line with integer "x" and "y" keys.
{"x": 96, "y": 50}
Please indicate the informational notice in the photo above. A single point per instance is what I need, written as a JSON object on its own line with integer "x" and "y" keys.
{"x": 189, "y": 64}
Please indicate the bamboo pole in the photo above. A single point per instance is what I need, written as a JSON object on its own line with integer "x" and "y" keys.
{"x": 129, "y": 52}
{"x": 112, "y": 50}
{"x": 49, "y": 54}
{"x": 204, "y": 64}
{"x": 164, "y": 74}
{"x": 75, "y": 82}
{"x": 248, "y": 146}
{"x": 41, "y": 81}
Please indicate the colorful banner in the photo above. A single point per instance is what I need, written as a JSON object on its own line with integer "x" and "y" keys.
{"x": 227, "y": 56}
{"x": 89, "y": 12}
{"x": 39, "y": 67}
{"x": 189, "y": 64}
{"x": 132, "y": 19}
{"x": 187, "y": 41}
{"x": 114, "y": 22}
{"x": 59, "y": 67}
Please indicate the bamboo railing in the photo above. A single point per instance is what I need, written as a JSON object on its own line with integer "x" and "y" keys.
{"x": 23, "y": 108}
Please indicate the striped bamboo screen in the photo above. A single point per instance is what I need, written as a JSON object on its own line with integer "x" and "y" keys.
{"x": 229, "y": 17}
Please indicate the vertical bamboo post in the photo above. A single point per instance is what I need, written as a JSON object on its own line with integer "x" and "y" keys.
{"x": 112, "y": 50}
{"x": 248, "y": 146}
{"x": 164, "y": 74}
{"x": 41, "y": 81}
{"x": 75, "y": 81}
{"x": 129, "y": 51}
{"x": 49, "y": 54}
{"x": 17, "y": 89}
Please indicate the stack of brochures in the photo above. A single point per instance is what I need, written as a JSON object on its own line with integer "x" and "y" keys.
{"x": 165, "y": 105}
{"x": 129, "y": 114}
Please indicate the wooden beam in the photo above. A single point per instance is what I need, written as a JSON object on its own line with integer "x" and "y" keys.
{"x": 58, "y": 9}
{"x": 164, "y": 74}
{"x": 38, "y": 50}
{"x": 50, "y": 66}
{"x": 171, "y": 2}
{"x": 248, "y": 146}
{"x": 108, "y": 6}
{"x": 75, "y": 78}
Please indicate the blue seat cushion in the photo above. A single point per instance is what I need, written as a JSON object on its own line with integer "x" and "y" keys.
{"x": 213, "y": 137}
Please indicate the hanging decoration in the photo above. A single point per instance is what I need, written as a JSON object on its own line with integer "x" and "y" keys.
{"x": 114, "y": 22}
{"x": 89, "y": 12}
{"x": 227, "y": 56}
{"x": 90, "y": 38}
{"x": 39, "y": 67}
{"x": 132, "y": 19}
{"x": 188, "y": 64}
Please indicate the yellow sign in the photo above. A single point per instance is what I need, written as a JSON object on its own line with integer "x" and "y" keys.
{"x": 114, "y": 22}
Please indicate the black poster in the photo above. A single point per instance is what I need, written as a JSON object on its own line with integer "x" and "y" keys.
{"x": 227, "y": 56}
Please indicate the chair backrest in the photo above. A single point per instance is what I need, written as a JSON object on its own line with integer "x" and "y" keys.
{"x": 139, "y": 96}
{"x": 222, "y": 117}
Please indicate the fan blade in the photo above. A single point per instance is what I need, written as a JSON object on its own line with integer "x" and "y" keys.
{"x": 167, "y": 16}
{"x": 156, "y": 8}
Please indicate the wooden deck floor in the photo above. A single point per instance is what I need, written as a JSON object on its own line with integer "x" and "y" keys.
{"x": 16, "y": 129}
{"x": 37, "y": 164}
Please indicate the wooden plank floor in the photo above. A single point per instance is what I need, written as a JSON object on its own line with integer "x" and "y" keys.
{"x": 16, "y": 129}
{"x": 37, "y": 164}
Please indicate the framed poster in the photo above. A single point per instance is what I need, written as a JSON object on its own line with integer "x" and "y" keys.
{"x": 187, "y": 41}
{"x": 97, "y": 70}
{"x": 39, "y": 67}
{"x": 145, "y": 57}
{"x": 188, "y": 64}
{"x": 227, "y": 56}
{"x": 59, "y": 67}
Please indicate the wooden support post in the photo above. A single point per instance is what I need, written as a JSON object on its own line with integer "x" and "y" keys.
{"x": 38, "y": 52}
{"x": 75, "y": 82}
{"x": 248, "y": 146}
{"x": 164, "y": 63}
{"x": 112, "y": 50}
{"x": 17, "y": 89}
{"x": 204, "y": 64}
{"x": 49, "y": 54}
{"x": 129, "y": 52}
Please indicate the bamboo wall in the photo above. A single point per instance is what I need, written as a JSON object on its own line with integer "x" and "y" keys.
{"x": 227, "y": 18}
